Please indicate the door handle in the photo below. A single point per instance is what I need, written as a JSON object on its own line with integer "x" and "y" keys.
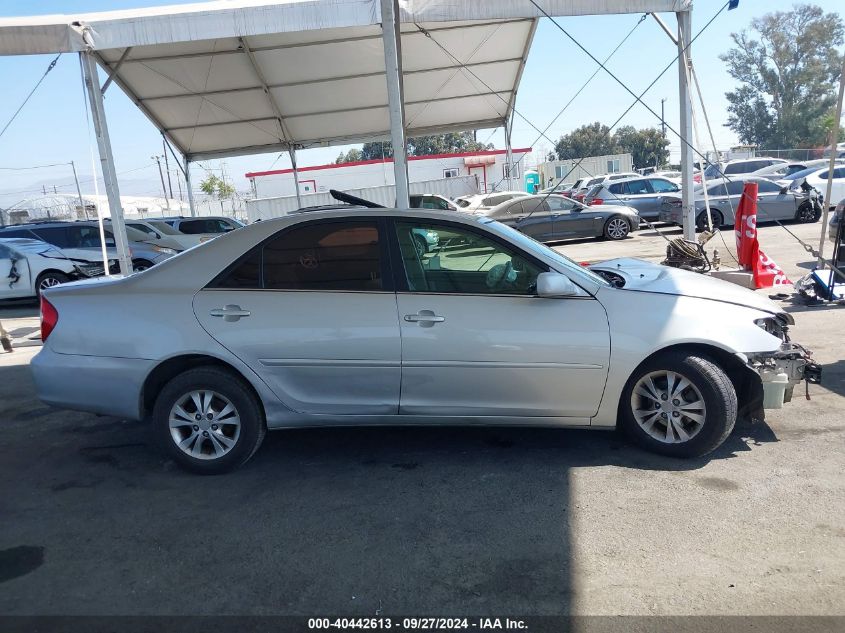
{"x": 426, "y": 318}
{"x": 229, "y": 313}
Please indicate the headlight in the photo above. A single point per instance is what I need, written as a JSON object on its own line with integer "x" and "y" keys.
{"x": 777, "y": 325}
{"x": 164, "y": 250}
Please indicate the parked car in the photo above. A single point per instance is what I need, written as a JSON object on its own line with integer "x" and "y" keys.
{"x": 210, "y": 224}
{"x": 28, "y": 266}
{"x": 598, "y": 180}
{"x": 818, "y": 180}
{"x": 558, "y": 189}
{"x": 333, "y": 318}
{"x": 161, "y": 233}
{"x": 773, "y": 203}
{"x": 836, "y": 218}
{"x": 479, "y": 202}
{"x": 547, "y": 218}
{"x": 643, "y": 194}
{"x": 738, "y": 167}
{"x": 672, "y": 176}
{"x": 576, "y": 186}
{"x": 81, "y": 240}
{"x": 431, "y": 201}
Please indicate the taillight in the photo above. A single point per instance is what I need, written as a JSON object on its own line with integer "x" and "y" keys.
{"x": 49, "y": 318}
{"x": 596, "y": 201}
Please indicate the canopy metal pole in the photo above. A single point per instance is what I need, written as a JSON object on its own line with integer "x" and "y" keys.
{"x": 292, "y": 153}
{"x": 189, "y": 187}
{"x": 685, "y": 130}
{"x": 395, "y": 98}
{"x": 834, "y": 138}
{"x": 78, "y": 191}
{"x": 98, "y": 114}
{"x": 508, "y": 154}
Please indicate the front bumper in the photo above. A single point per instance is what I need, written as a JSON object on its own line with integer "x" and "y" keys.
{"x": 781, "y": 371}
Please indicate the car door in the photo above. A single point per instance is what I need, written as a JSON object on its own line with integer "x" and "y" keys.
{"x": 660, "y": 188}
{"x": 476, "y": 341}
{"x": 312, "y": 311}
{"x": 772, "y": 204}
{"x": 15, "y": 276}
{"x": 572, "y": 219}
{"x": 536, "y": 220}
{"x": 639, "y": 194}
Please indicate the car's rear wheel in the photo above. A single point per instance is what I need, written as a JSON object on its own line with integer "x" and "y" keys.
{"x": 49, "y": 280}
{"x": 716, "y": 216}
{"x": 617, "y": 228}
{"x": 678, "y": 404}
{"x": 208, "y": 420}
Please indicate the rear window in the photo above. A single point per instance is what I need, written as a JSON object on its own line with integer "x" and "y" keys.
{"x": 615, "y": 188}
{"x": 323, "y": 256}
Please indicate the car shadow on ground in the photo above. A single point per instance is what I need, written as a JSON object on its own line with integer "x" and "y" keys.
{"x": 17, "y": 308}
{"x": 394, "y": 520}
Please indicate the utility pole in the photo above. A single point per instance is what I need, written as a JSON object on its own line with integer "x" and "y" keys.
{"x": 78, "y": 191}
{"x": 157, "y": 159}
{"x": 167, "y": 166}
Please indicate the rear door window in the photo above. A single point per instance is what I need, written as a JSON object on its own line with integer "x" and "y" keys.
{"x": 637, "y": 187}
{"x": 55, "y": 235}
{"x": 662, "y": 186}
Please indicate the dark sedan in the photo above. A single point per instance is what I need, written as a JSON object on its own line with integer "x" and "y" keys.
{"x": 553, "y": 217}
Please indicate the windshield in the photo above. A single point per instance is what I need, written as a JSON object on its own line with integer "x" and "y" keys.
{"x": 163, "y": 227}
{"x": 533, "y": 246}
{"x": 713, "y": 171}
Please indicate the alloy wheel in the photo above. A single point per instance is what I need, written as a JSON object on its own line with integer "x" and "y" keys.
{"x": 668, "y": 407}
{"x": 204, "y": 424}
{"x": 617, "y": 228}
{"x": 48, "y": 282}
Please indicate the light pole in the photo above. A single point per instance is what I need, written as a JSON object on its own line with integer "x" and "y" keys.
{"x": 157, "y": 159}
{"x": 662, "y": 117}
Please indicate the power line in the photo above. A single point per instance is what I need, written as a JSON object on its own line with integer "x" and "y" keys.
{"x": 31, "y": 92}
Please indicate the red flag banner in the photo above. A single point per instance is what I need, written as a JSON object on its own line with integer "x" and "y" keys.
{"x": 766, "y": 272}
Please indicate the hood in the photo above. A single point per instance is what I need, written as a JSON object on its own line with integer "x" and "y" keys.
{"x": 643, "y": 276}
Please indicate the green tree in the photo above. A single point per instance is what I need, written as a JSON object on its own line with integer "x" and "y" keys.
{"x": 588, "y": 140}
{"x": 217, "y": 187}
{"x": 451, "y": 143}
{"x": 646, "y": 146}
{"x": 787, "y": 67}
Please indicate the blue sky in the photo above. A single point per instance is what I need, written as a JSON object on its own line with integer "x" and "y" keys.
{"x": 52, "y": 128}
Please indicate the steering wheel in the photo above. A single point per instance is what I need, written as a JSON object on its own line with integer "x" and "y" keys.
{"x": 498, "y": 275}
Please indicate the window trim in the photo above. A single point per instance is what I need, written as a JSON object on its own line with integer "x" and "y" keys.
{"x": 387, "y": 277}
{"x": 400, "y": 280}
{"x": 456, "y": 170}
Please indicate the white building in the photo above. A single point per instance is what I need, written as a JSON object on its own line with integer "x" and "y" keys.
{"x": 489, "y": 166}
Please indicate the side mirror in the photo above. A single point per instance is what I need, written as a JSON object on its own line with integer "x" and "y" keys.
{"x": 555, "y": 285}
{"x": 784, "y": 190}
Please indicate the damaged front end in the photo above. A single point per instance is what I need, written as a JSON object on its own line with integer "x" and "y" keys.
{"x": 780, "y": 371}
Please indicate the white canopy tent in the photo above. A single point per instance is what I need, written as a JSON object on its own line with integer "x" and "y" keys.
{"x": 240, "y": 77}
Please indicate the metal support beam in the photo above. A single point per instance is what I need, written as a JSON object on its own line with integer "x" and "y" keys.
{"x": 101, "y": 130}
{"x": 292, "y": 153}
{"x": 508, "y": 153}
{"x": 685, "y": 129}
{"x": 396, "y": 98}
{"x": 113, "y": 70}
{"x": 189, "y": 187}
{"x": 263, "y": 81}
{"x": 834, "y": 138}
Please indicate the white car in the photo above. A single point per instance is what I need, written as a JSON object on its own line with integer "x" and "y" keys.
{"x": 28, "y": 267}
{"x": 161, "y": 233}
{"x": 818, "y": 179}
{"x": 482, "y": 201}
{"x": 335, "y": 318}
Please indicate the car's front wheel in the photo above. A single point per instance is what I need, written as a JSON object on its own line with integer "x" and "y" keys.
{"x": 49, "y": 280}
{"x": 716, "y": 217}
{"x": 141, "y": 264}
{"x": 806, "y": 213}
{"x": 208, "y": 420}
{"x": 679, "y": 404}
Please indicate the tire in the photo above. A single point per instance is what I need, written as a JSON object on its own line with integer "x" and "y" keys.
{"x": 716, "y": 216}
{"x": 420, "y": 245}
{"x": 209, "y": 452}
{"x": 141, "y": 264}
{"x": 806, "y": 214}
{"x": 48, "y": 280}
{"x": 710, "y": 397}
{"x": 616, "y": 228}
